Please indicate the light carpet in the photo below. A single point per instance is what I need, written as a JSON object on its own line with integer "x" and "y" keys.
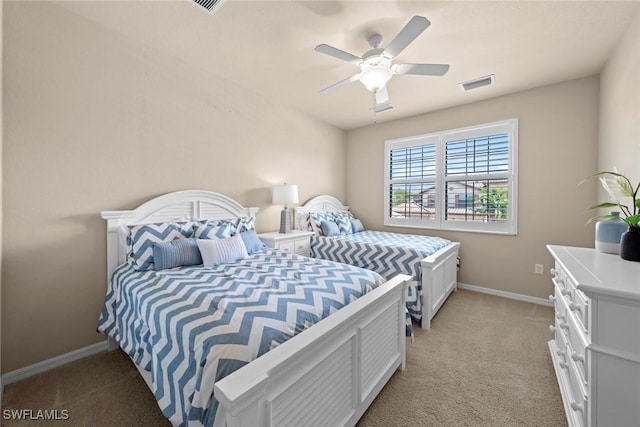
{"x": 485, "y": 362}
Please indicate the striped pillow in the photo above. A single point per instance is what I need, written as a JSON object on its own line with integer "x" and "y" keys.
{"x": 176, "y": 253}
{"x": 222, "y": 251}
{"x": 141, "y": 238}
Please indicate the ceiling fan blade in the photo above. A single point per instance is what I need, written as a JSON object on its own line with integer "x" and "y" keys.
{"x": 413, "y": 29}
{"x": 337, "y": 53}
{"x": 422, "y": 69}
{"x": 382, "y": 95}
{"x": 340, "y": 84}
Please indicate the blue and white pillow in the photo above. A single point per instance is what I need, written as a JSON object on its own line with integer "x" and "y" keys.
{"x": 343, "y": 219}
{"x": 222, "y": 251}
{"x": 245, "y": 224}
{"x": 215, "y": 229}
{"x": 176, "y": 253}
{"x": 319, "y": 217}
{"x": 141, "y": 238}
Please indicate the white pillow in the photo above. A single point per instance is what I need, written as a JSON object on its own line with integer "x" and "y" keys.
{"x": 222, "y": 251}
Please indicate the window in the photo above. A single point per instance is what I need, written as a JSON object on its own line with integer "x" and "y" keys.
{"x": 461, "y": 179}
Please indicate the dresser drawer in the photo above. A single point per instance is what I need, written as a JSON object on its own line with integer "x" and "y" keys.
{"x": 577, "y": 350}
{"x": 575, "y": 299}
{"x": 580, "y": 308}
{"x": 559, "y": 279}
{"x": 578, "y": 400}
{"x": 302, "y": 247}
{"x": 287, "y": 246}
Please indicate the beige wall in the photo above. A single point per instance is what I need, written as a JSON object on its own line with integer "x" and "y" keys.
{"x": 557, "y": 144}
{"x": 619, "y": 143}
{"x": 93, "y": 122}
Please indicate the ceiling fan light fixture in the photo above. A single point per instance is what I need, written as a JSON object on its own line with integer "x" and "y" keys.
{"x": 374, "y": 78}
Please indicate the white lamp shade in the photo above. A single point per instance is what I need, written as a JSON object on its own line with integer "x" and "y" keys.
{"x": 285, "y": 194}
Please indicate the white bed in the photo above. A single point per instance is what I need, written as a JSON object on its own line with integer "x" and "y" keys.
{"x": 281, "y": 387}
{"x": 438, "y": 270}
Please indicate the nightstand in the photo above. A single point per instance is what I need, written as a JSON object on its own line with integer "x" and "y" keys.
{"x": 297, "y": 241}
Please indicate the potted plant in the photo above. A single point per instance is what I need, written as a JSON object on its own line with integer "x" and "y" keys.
{"x": 620, "y": 188}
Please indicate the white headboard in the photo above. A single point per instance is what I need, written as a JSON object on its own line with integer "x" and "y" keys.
{"x": 199, "y": 204}
{"x": 323, "y": 203}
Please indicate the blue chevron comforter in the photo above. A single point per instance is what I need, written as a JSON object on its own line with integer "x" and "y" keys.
{"x": 388, "y": 254}
{"x": 191, "y": 325}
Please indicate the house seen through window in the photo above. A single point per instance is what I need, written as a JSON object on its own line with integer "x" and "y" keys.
{"x": 461, "y": 179}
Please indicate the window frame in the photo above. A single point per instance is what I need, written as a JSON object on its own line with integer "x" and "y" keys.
{"x": 440, "y": 139}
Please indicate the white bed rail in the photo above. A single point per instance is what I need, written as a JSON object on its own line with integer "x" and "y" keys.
{"x": 327, "y": 375}
{"x": 439, "y": 279}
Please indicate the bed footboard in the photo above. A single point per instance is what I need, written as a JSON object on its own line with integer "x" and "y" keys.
{"x": 439, "y": 279}
{"x": 327, "y": 375}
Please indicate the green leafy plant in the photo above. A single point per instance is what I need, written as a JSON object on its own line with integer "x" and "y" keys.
{"x": 494, "y": 202}
{"x": 619, "y": 187}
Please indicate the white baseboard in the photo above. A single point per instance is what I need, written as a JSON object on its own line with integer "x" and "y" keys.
{"x": 54, "y": 362}
{"x": 504, "y": 294}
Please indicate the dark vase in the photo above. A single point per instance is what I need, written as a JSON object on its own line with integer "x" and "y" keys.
{"x": 630, "y": 244}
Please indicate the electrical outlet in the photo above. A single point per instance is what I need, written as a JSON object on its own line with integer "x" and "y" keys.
{"x": 538, "y": 269}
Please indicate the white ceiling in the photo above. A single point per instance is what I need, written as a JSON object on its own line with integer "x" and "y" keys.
{"x": 268, "y": 46}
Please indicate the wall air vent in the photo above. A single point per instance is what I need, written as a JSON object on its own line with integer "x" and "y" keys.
{"x": 476, "y": 83}
{"x": 210, "y": 5}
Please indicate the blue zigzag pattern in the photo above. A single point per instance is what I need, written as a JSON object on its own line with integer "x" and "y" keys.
{"x": 189, "y": 325}
{"x": 141, "y": 238}
{"x": 218, "y": 229}
{"x": 388, "y": 254}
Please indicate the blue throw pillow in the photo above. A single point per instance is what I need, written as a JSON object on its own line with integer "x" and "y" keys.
{"x": 251, "y": 241}
{"x": 356, "y": 225}
{"x": 176, "y": 253}
{"x": 330, "y": 228}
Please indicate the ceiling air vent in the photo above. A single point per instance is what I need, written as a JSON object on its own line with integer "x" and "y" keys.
{"x": 379, "y": 108}
{"x": 210, "y": 5}
{"x": 476, "y": 83}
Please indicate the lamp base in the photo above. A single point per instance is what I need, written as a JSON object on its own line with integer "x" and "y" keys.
{"x": 285, "y": 221}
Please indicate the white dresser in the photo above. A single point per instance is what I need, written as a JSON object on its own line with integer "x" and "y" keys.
{"x": 596, "y": 345}
{"x": 296, "y": 241}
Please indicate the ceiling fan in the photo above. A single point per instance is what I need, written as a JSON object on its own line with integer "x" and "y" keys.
{"x": 376, "y": 65}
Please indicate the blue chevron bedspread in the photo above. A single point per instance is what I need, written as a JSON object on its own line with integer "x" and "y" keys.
{"x": 388, "y": 254}
{"x": 191, "y": 325}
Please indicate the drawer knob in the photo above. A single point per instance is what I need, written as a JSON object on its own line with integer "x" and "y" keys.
{"x": 577, "y": 406}
{"x": 552, "y": 329}
{"x": 552, "y": 272}
{"x": 577, "y": 357}
{"x": 564, "y": 326}
{"x": 552, "y": 298}
{"x": 575, "y": 307}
